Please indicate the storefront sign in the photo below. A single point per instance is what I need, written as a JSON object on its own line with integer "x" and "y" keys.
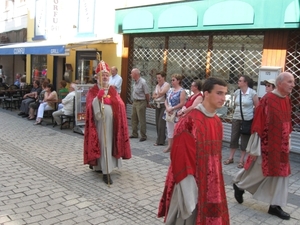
{"x": 28, "y": 48}
{"x": 19, "y": 51}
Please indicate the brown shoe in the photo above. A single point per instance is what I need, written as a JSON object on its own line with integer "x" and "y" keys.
{"x": 143, "y": 139}
{"x": 228, "y": 161}
{"x": 65, "y": 125}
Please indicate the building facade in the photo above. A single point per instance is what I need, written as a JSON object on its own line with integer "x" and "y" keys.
{"x": 13, "y": 29}
{"x": 216, "y": 38}
{"x": 64, "y": 40}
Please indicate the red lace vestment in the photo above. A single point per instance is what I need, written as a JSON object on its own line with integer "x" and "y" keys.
{"x": 272, "y": 122}
{"x": 191, "y": 100}
{"x": 121, "y": 144}
{"x": 196, "y": 151}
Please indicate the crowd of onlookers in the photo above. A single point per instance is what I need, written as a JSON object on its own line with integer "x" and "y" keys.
{"x": 41, "y": 98}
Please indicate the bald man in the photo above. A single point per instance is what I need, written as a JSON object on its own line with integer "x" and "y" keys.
{"x": 140, "y": 97}
{"x": 267, "y": 169}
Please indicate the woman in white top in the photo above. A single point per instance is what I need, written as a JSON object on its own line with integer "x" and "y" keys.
{"x": 48, "y": 103}
{"x": 159, "y": 97}
{"x": 249, "y": 102}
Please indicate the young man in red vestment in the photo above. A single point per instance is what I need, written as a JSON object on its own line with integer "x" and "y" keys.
{"x": 194, "y": 190}
{"x": 106, "y": 139}
{"x": 267, "y": 168}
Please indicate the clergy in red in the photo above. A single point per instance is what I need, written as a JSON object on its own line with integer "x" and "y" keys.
{"x": 194, "y": 189}
{"x": 106, "y": 129}
{"x": 267, "y": 168}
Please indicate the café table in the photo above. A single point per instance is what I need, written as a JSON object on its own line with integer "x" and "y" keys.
{"x": 11, "y": 98}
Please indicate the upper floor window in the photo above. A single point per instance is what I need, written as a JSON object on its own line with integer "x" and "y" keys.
{"x": 9, "y": 4}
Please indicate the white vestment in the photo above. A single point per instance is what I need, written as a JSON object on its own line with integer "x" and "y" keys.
{"x": 108, "y": 116}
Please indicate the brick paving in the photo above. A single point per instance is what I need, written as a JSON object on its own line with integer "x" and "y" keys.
{"x": 43, "y": 181}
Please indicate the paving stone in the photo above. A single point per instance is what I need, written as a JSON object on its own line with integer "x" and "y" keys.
{"x": 47, "y": 182}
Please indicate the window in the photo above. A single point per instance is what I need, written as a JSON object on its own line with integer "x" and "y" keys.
{"x": 39, "y": 67}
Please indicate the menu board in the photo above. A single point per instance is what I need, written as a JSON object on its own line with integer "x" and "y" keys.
{"x": 80, "y": 103}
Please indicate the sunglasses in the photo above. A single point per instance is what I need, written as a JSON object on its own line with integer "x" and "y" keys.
{"x": 173, "y": 79}
{"x": 269, "y": 85}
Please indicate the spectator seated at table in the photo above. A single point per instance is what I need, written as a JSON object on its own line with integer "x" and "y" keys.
{"x": 48, "y": 103}
{"x": 17, "y": 81}
{"x": 29, "y": 98}
{"x": 33, "y": 106}
{"x": 63, "y": 91}
{"x": 66, "y": 105}
{"x": 23, "y": 82}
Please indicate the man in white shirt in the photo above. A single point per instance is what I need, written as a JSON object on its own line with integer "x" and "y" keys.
{"x": 115, "y": 79}
{"x": 67, "y": 105}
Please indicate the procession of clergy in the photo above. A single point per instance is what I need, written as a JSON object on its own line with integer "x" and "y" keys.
{"x": 194, "y": 191}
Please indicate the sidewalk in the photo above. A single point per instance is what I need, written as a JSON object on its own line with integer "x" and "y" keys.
{"x": 43, "y": 181}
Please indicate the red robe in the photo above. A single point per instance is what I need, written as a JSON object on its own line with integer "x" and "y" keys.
{"x": 121, "y": 144}
{"x": 272, "y": 122}
{"x": 191, "y": 100}
{"x": 197, "y": 151}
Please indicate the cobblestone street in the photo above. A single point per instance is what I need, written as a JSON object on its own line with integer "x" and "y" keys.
{"x": 43, "y": 181}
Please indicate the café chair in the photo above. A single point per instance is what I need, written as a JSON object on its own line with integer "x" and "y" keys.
{"x": 2, "y": 95}
{"x": 68, "y": 118}
{"x": 12, "y": 99}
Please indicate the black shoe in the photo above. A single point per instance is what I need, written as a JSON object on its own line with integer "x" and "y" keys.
{"x": 238, "y": 194}
{"x": 107, "y": 177}
{"x": 21, "y": 113}
{"x": 131, "y": 136}
{"x": 91, "y": 167}
{"x": 277, "y": 211}
{"x": 25, "y": 115}
{"x": 143, "y": 139}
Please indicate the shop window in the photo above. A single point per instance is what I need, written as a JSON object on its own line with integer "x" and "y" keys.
{"x": 197, "y": 55}
{"x": 38, "y": 67}
{"x": 86, "y": 62}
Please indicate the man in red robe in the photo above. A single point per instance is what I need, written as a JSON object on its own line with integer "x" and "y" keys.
{"x": 194, "y": 190}
{"x": 267, "y": 168}
{"x": 106, "y": 139}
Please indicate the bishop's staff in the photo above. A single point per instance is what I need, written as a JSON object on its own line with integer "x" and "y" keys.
{"x": 103, "y": 67}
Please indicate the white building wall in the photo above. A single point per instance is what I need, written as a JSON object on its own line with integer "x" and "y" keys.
{"x": 13, "y": 15}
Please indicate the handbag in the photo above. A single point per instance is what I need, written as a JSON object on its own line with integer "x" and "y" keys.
{"x": 170, "y": 117}
{"x": 246, "y": 124}
{"x": 246, "y": 127}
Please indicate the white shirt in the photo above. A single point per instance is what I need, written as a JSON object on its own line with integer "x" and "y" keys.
{"x": 116, "y": 81}
{"x": 68, "y": 103}
{"x": 247, "y": 104}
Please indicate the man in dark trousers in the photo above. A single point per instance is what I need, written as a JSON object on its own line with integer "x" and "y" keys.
{"x": 29, "y": 98}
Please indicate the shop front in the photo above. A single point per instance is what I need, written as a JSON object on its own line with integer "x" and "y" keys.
{"x": 188, "y": 38}
{"x": 71, "y": 61}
